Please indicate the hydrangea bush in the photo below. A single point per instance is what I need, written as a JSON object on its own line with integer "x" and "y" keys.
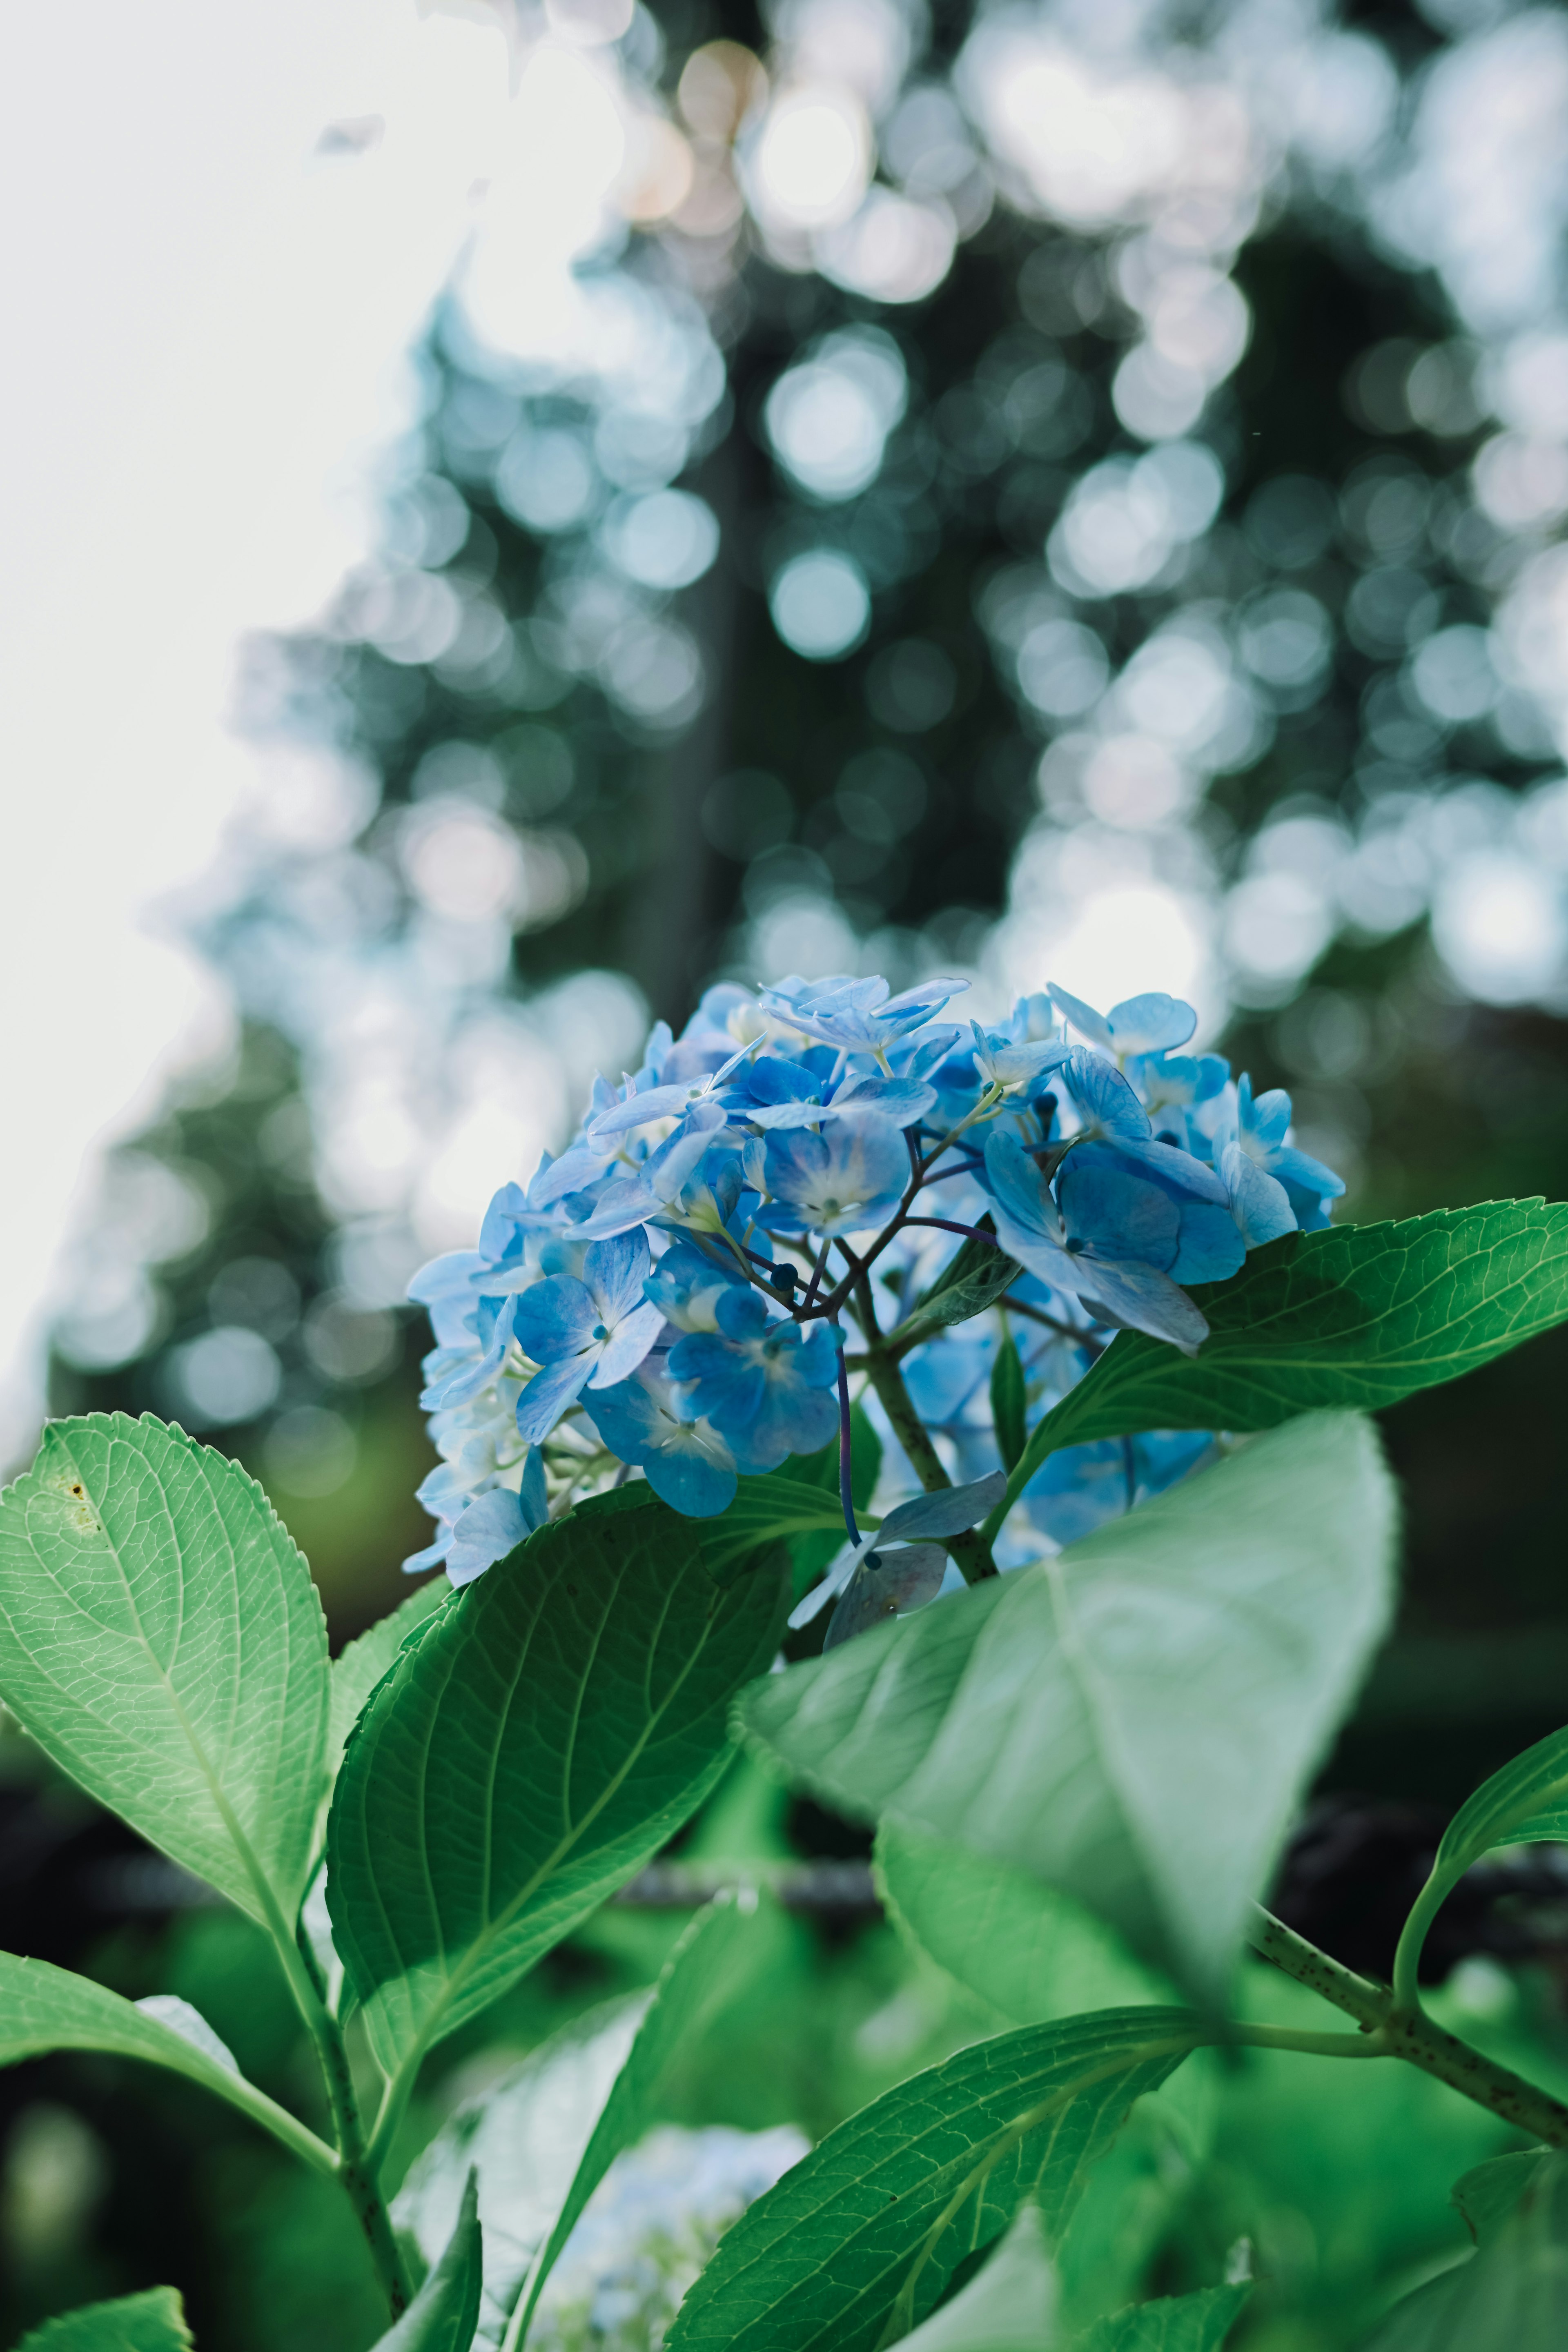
{"x": 974, "y": 1423}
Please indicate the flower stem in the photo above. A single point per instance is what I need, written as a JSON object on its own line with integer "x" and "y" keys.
{"x": 356, "y": 2171}
{"x": 846, "y": 1484}
{"x": 1412, "y": 2035}
{"x": 969, "y": 1549}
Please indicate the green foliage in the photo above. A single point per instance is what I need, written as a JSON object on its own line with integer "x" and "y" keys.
{"x": 535, "y": 1746}
{"x": 361, "y": 1665}
{"x": 1356, "y": 1315}
{"x": 1490, "y": 2193}
{"x": 1185, "y": 2323}
{"x": 1029, "y": 1951}
{"x": 863, "y": 2235}
{"x": 154, "y": 2322}
{"x": 695, "y": 1983}
{"x": 524, "y": 2139}
{"x": 800, "y": 1506}
{"x": 44, "y": 2007}
{"x": 973, "y": 1281}
{"x": 1511, "y": 2293}
{"x": 1007, "y": 1402}
{"x": 443, "y": 2314}
{"x": 1526, "y": 1801}
{"x": 1010, "y": 2305}
{"x": 161, "y": 1640}
{"x": 1133, "y": 1720}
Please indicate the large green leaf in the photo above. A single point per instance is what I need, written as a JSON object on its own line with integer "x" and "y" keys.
{"x": 862, "y": 2234}
{"x": 1010, "y": 2305}
{"x": 1512, "y": 2295}
{"x": 362, "y": 1664}
{"x": 44, "y": 2007}
{"x": 154, "y": 2322}
{"x": 1356, "y": 1315}
{"x": 528, "y": 1754}
{"x": 444, "y": 2314}
{"x": 1133, "y": 1720}
{"x": 160, "y": 1639}
{"x": 1033, "y": 1952}
{"x": 694, "y": 1983}
{"x": 524, "y": 2137}
{"x": 1182, "y": 2323}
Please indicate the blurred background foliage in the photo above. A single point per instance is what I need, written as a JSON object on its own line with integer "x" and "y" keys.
{"x": 1071, "y": 494}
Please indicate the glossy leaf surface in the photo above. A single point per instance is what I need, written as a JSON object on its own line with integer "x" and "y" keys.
{"x": 526, "y": 1756}
{"x": 882, "y": 2212}
{"x": 1356, "y": 1315}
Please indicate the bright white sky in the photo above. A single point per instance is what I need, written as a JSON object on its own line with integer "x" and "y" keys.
{"x": 206, "y": 325}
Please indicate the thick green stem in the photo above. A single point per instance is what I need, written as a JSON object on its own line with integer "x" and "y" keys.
{"x": 1411, "y": 2034}
{"x": 356, "y": 2170}
{"x": 971, "y": 1550}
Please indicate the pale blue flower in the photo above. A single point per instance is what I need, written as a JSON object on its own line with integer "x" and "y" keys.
{"x": 857, "y": 1014}
{"x": 843, "y": 1180}
{"x": 587, "y": 1333}
{"x": 684, "y": 1459}
{"x": 1111, "y": 1114}
{"x": 763, "y": 1384}
{"x": 1112, "y": 1260}
{"x": 923, "y": 1524}
{"x": 1155, "y": 1024}
{"x": 479, "y": 1529}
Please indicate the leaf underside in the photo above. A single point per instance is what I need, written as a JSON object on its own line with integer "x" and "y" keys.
{"x": 152, "y": 2322}
{"x": 1133, "y": 1720}
{"x": 43, "y": 2008}
{"x": 161, "y": 1640}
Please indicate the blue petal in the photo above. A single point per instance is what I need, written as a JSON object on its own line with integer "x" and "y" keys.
{"x": 1212, "y": 1249}
{"x": 555, "y": 1319}
{"x": 1104, "y": 1097}
{"x": 1083, "y": 1017}
{"x": 1020, "y": 1192}
{"x": 549, "y": 1394}
{"x": 614, "y": 1272}
{"x": 629, "y": 1342}
{"x": 1259, "y": 1204}
{"x": 886, "y": 1584}
{"x": 1140, "y": 1297}
{"x": 1152, "y": 1023}
{"x": 1119, "y": 1215}
{"x": 490, "y": 1527}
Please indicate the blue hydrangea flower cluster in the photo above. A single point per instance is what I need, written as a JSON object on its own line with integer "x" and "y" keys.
{"x": 671, "y": 1297}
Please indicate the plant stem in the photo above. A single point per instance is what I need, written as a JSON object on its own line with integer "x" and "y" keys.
{"x": 1411, "y": 2034}
{"x": 356, "y": 2170}
{"x": 969, "y": 1549}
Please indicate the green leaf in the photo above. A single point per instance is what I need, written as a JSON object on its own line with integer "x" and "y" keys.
{"x": 362, "y": 1664}
{"x": 862, "y": 2234}
{"x": 160, "y": 1639}
{"x": 1133, "y": 1721}
{"x": 693, "y": 1984}
{"x": 1033, "y": 1952}
{"x": 44, "y": 2007}
{"x": 1512, "y": 2294}
{"x": 1030, "y": 1951}
{"x": 1488, "y": 2193}
{"x": 1527, "y": 1801}
{"x": 524, "y": 2136}
{"x": 1009, "y": 2306}
{"x": 967, "y": 1286}
{"x": 528, "y": 1754}
{"x": 1007, "y": 1401}
{"x": 444, "y": 2314}
{"x": 154, "y": 2322}
{"x": 1182, "y": 2323}
{"x": 765, "y": 1510}
{"x": 1356, "y": 1315}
